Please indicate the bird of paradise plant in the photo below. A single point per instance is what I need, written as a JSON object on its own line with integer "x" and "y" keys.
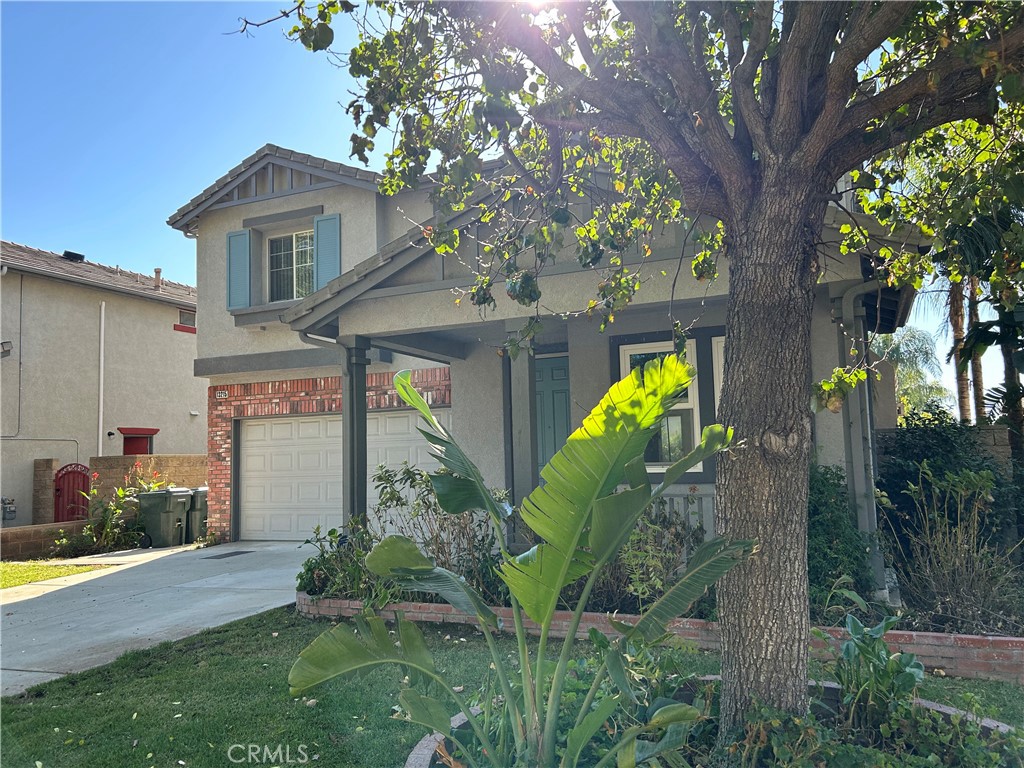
{"x": 595, "y": 489}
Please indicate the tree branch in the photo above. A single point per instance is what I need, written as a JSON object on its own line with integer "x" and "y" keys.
{"x": 743, "y": 74}
{"x": 801, "y": 21}
{"x": 865, "y": 32}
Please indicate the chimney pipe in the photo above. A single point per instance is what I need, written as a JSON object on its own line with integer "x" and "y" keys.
{"x": 156, "y": 278}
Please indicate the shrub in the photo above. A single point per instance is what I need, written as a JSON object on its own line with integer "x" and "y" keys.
{"x": 947, "y": 446}
{"x": 464, "y": 544}
{"x": 835, "y": 548}
{"x": 113, "y": 522}
{"x": 950, "y": 575}
{"x": 338, "y": 570}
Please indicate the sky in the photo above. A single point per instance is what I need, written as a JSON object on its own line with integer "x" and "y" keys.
{"x": 113, "y": 115}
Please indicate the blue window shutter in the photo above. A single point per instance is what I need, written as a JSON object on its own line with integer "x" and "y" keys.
{"x": 327, "y": 249}
{"x": 238, "y": 269}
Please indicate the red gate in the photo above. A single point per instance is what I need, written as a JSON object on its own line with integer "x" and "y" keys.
{"x": 70, "y": 482}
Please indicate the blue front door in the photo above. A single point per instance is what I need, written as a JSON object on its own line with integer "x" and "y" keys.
{"x": 553, "y": 412}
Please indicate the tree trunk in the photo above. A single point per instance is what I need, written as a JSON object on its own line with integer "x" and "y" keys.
{"x": 1013, "y": 408}
{"x": 956, "y": 322}
{"x": 761, "y": 485}
{"x": 977, "y": 378}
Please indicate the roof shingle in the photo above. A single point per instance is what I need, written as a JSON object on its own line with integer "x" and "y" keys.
{"x": 48, "y": 263}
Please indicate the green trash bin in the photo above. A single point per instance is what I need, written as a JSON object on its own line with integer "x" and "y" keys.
{"x": 195, "y": 525}
{"x": 163, "y": 514}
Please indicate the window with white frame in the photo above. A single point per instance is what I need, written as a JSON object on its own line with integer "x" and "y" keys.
{"x": 681, "y": 430}
{"x": 682, "y": 425}
{"x": 290, "y": 262}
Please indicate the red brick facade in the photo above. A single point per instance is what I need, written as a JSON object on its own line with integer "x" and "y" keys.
{"x": 293, "y": 397}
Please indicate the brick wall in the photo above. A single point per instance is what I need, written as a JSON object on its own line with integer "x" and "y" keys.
{"x": 293, "y": 397}
{"x": 28, "y": 541}
{"x": 185, "y": 470}
{"x": 43, "y": 471}
{"x": 975, "y": 656}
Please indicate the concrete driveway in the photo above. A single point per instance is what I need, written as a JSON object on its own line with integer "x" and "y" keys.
{"x": 145, "y": 597}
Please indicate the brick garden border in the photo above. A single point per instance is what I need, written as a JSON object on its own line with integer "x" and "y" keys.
{"x": 970, "y": 656}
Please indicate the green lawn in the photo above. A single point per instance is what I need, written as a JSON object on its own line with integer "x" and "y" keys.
{"x": 193, "y": 699}
{"x": 16, "y": 574}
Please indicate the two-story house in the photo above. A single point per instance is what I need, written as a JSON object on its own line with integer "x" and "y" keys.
{"x": 314, "y": 288}
{"x": 97, "y": 362}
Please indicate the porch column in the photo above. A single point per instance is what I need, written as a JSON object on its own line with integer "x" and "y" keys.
{"x": 860, "y": 450}
{"x": 353, "y": 426}
{"x": 523, "y": 406}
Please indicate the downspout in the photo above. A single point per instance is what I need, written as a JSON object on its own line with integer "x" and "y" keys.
{"x": 859, "y": 429}
{"x": 21, "y": 353}
{"x": 99, "y": 395}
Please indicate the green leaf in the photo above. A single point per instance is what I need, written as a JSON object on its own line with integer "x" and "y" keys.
{"x": 399, "y": 558}
{"x": 457, "y": 494}
{"x": 616, "y": 664}
{"x": 448, "y": 453}
{"x": 638, "y": 752}
{"x": 397, "y": 552}
{"x": 587, "y": 468}
{"x": 581, "y": 735}
{"x": 425, "y": 710}
{"x": 712, "y": 560}
{"x": 713, "y": 439}
{"x": 339, "y": 652}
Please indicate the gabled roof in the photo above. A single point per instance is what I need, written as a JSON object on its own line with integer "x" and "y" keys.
{"x": 49, "y": 264}
{"x": 318, "y": 168}
{"x": 319, "y": 308}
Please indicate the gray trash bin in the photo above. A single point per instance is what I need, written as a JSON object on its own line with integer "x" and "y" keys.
{"x": 164, "y": 514}
{"x": 195, "y": 527}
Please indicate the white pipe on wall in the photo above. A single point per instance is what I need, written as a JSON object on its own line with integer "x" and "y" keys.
{"x": 99, "y": 397}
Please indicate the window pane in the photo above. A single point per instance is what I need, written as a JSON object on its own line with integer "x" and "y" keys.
{"x": 280, "y": 250}
{"x": 674, "y": 441}
{"x": 281, "y": 284}
{"x": 304, "y": 248}
{"x": 303, "y": 280}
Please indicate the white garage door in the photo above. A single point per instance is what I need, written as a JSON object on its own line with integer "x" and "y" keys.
{"x": 290, "y": 469}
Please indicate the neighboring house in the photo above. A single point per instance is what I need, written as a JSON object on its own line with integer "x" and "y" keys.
{"x": 97, "y": 362}
{"x": 313, "y": 288}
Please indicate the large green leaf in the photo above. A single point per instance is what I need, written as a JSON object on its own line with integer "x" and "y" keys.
{"x": 425, "y": 710}
{"x": 468, "y": 491}
{"x": 341, "y": 652}
{"x": 588, "y": 468}
{"x": 581, "y": 735}
{"x": 399, "y": 558}
{"x": 712, "y": 560}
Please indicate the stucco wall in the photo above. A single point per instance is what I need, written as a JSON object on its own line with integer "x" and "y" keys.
{"x": 52, "y": 376}
{"x": 478, "y": 412}
{"x": 359, "y": 209}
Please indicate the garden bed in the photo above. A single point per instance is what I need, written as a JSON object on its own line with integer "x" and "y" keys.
{"x": 970, "y": 656}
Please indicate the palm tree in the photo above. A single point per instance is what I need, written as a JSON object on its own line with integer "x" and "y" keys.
{"x": 911, "y": 352}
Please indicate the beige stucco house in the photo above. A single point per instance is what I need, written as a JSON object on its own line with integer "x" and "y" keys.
{"x": 314, "y": 288}
{"x": 97, "y": 362}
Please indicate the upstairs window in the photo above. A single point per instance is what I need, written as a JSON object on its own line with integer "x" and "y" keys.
{"x": 186, "y": 321}
{"x": 291, "y": 266}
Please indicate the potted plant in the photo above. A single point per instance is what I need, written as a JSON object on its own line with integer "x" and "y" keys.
{"x": 595, "y": 488}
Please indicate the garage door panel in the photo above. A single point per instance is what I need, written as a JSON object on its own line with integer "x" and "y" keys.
{"x": 291, "y": 469}
{"x": 281, "y": 429}
{"x": 310, "y": 460}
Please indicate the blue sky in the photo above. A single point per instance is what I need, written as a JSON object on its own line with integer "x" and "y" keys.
{"x": 116, "y": 114}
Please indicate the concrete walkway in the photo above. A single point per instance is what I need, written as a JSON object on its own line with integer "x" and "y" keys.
{"x": 51, "y": 628}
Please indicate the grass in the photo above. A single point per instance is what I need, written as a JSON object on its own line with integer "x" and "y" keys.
{"x": 16, "y": 574}
{"x": 191, "y": 700}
